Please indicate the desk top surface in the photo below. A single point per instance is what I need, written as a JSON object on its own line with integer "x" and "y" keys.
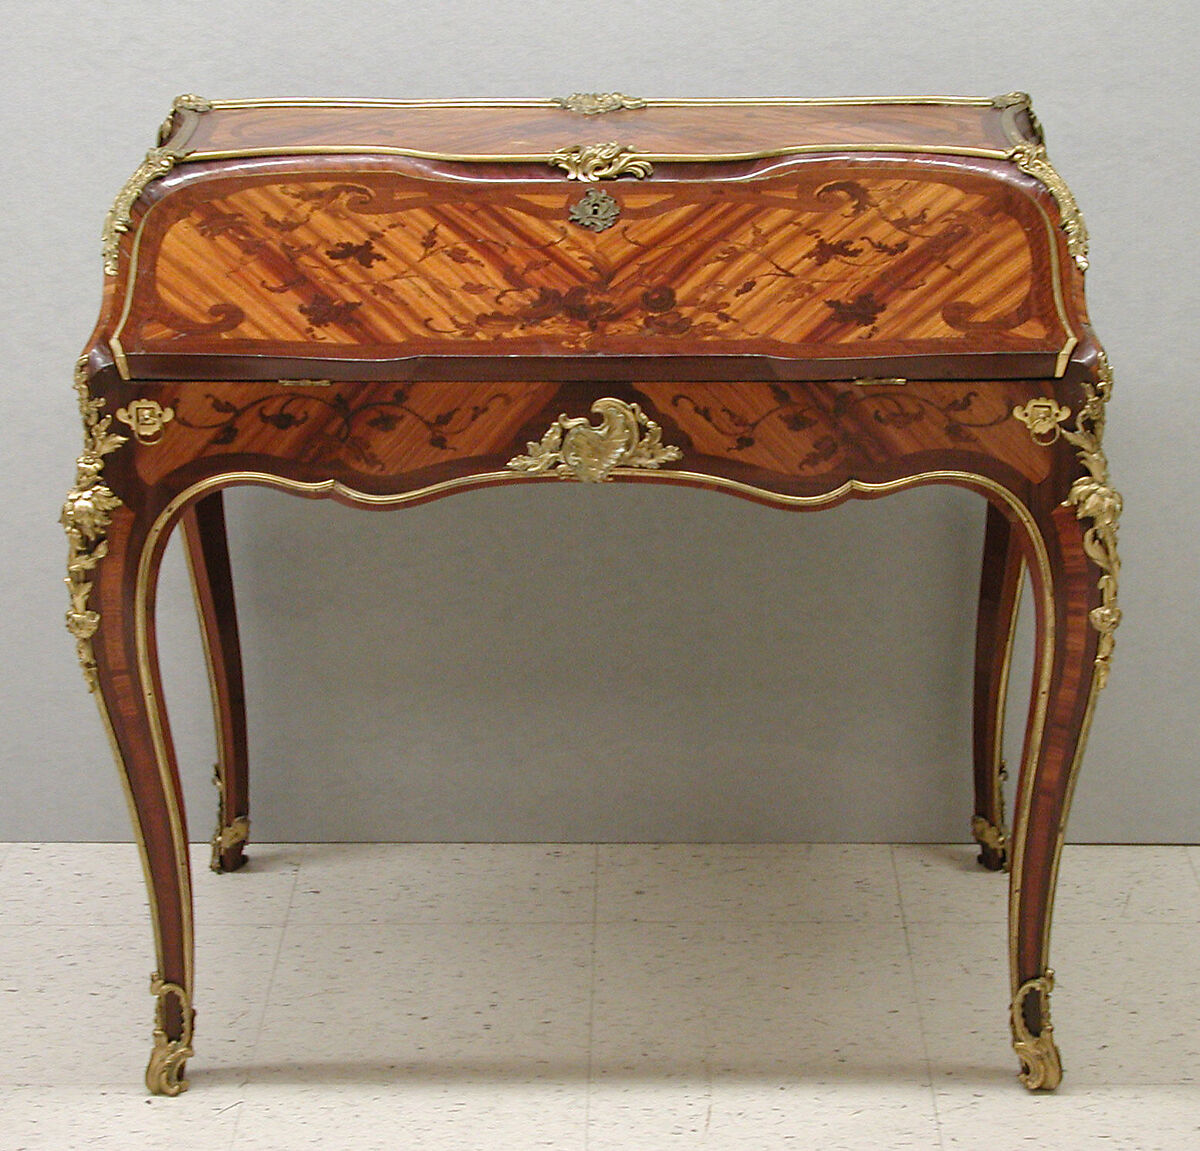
{"x": 707, "y": 129}
{"x": 720, "y": 239}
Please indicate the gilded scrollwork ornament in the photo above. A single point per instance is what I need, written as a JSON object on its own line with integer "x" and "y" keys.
{"x": 576, "y": 450}
{"x": 590, "y": 162}
{"x": 595, "y": 103}
{"x": 85, "y": 517}
{"x": 1094, "y": 498}
{"x": 230, "y": 832}
{"x": 1033, "y": 160}
{"x": 189, "y": 102}
{"x": 990, "y": 836}
{"x": 168, "y": 1058}
{"x": 158, "y": 162}
{"x": 1041, "y": 1064}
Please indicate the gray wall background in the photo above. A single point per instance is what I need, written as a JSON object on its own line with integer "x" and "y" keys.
{"x": 571, "y": 663}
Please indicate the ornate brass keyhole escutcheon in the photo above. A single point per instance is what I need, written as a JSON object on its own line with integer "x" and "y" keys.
{"x": 597, "y": 211}
{"x": 146, "y": 418}
{"x": 1042, "y": 417}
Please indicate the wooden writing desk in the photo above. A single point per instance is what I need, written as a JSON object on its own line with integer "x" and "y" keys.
{"x": 797, "y": 302}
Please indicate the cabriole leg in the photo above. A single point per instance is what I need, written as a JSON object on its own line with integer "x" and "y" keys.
{"x": 999, "y": 597}
{"x": 119, "y": 658}
{"x": 1077, "y": 628}
{"x": 207, "y": 549}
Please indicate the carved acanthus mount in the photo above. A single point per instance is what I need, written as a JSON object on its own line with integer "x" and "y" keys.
{"x": 158, "y": 162}
{"x": 588, "y": 453}
{"x": 164, "y": 1073}
{"x": 1094, "y": 498}
{"x": 1041, "y": 1065}
{"x": 589, "y": 162}
{"x": 1033, "y": 161}
{"x": 85, "y": 517}
{"x": 594, "y": 103}
{"x": 186, "y": 103}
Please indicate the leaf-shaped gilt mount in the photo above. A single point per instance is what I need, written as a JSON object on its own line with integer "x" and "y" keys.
{"x": 577, "y": 450}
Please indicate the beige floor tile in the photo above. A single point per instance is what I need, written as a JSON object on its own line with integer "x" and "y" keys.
{"x": 751, "y": 1116}
{"x": 1194, "y": 856}
{"x": 398, "y": 1112}
{"x": 65, "y": 1116}
{"x": 445, "y": 883}
{"x": 1126, "y": 1007}
{"x": 741, "y": 883}
{"x": 963, "y": 994}
{"x": 75, "y": 1002}
{"x": 1071, "y": 1119}
{"x": 943, "y": 882}
{"x": 1130, "y": 883}
{"x": 825, "y": 1001}
{"x": 434, "y": 999}
{"x": 102, "y": 883}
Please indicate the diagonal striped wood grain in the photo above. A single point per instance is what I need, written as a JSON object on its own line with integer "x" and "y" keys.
{"x": 828, "y": 261}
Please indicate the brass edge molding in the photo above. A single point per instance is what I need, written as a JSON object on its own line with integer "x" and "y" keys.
{"x": 590, "y": 162}
{"x": 164, "y": 1074}
{"x": 85, "y": 517}
{"x": 1041, "y": 1065}
{"x": 832, "y": 147}
{"x": 158, "y": 162}
{"x": 1042, "y": 416}
{"x": 147, "y": 419}
{"x": 597, "y": 103}
{"x": 1033, "y": 161}
{"x": 1094, "y": 498}
{"x": 671, "y": 102}
{"x": 999, "y": 767}
{"x": 590, "y": 454}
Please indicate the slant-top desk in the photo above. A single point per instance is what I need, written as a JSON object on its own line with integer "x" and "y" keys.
{"x": 797, "y": 302}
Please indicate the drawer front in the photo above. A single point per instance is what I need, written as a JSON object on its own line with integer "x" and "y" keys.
{"x": 822, "y": 261}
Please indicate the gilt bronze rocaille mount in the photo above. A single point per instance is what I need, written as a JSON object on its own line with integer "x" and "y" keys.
{"x": 795, "y": 301}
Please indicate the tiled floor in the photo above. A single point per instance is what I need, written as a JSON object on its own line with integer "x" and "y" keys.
{"x": 616, "y": 997}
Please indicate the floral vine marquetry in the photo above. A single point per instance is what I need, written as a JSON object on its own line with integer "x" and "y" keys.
{"x": 158, "y": 162}
{"x": 1042, "y": 417}
{"x": 590, "y": 162}
{"x": 1094, "y": 498}
{"x": 595, "y": 103}
{"x": 147, "y": 419}
{"x": 85, "y": 517}
{"x": 597, "y": 211}
{"x": 164, "y": 1074}
{"x": 1041, "y": 1065}
{"x": 590, "y": 454}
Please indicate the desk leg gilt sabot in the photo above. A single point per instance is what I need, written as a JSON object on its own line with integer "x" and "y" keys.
{"x": 731, "y": 317}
